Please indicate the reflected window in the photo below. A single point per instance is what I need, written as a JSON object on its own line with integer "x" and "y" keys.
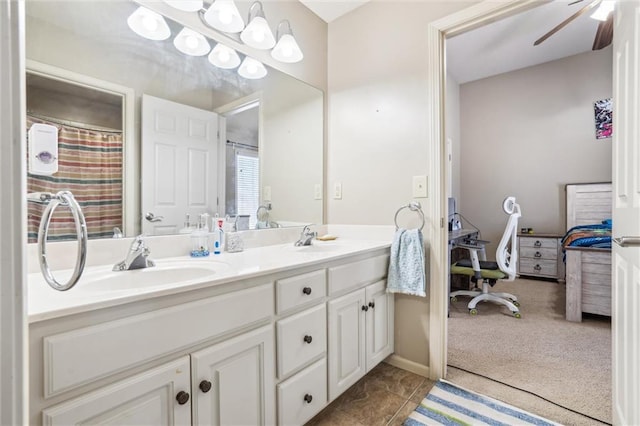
{"x": 247, "y": 185}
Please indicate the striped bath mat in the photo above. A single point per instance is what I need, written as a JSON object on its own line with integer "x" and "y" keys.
{"x": 448, "y": 404}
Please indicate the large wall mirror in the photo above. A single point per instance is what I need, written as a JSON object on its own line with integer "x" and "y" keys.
{"x": 125, "y": 108}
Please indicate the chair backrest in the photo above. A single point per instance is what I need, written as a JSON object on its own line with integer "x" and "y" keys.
{"x": 507, "y": 252}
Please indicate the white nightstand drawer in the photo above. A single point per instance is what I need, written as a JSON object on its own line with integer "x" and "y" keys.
{"x": 304, "y": 395}
{"x": 538, "y": 267}
{"x": 538, "y": 242}
{"x": 301, "y": 337}
{"x": 300, "y": 290}
{"x": 538, "y": 253}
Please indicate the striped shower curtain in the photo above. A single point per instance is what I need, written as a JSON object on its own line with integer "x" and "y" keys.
{"x": 90, "y": 166}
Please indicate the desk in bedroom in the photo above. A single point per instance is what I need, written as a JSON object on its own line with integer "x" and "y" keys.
{"x": 457, "y": 237}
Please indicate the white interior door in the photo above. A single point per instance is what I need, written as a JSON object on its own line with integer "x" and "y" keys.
{"x": 626, "y": 215}
{"x": 179, "y": 164}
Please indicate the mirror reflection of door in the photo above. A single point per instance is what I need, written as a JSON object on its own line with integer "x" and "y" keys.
{"x": 242, "y": 183}
{"x": 90, "y": 142}
{"x": 179, "y": 166}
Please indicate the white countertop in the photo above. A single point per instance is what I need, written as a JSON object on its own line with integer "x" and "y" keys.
{"x": 46, "y": 303}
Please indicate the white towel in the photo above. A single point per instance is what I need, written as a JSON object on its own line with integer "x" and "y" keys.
{"x": 406, "y": 266}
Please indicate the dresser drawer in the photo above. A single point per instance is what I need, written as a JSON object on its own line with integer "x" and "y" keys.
{"x": 538, "y": 242}
{"x": 352, "y": 275}
{"x": 300, "y": 290}
{"x": 538, "y": 253}
{"x": 303, "y": 395}
{"x": 301, "y": 338}
{"x": 538, "y": 267}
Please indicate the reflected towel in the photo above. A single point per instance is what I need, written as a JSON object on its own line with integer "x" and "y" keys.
{"x": 406, "y": 265}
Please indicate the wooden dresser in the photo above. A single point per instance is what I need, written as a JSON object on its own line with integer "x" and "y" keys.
{"x": 540, "y": 255}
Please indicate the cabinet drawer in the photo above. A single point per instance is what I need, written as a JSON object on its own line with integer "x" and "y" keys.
{"x": 538, "y": 242}
{"x": 538, "y": 267}
{"x": 538, "y": 253}
{"x": 77, "y": 357}
{"x": 301, "y": 337}
{"x": 352, "y": 275}
{"x": 300, "y": 290}
{"x": 304, "y": 395}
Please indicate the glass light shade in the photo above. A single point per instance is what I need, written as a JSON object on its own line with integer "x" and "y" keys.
{"x": 223, "y": 15}
{"x": 287, "y": 50}
{"x": 257, "y": 34}
{"x": 603, "y": 11}
{"x": 186, "y": 5}
{"x": 252, "y": 69}
{"x": 224, "y": 57}
{"x": 191, "y": 43}
{"x": 149, "y": 24}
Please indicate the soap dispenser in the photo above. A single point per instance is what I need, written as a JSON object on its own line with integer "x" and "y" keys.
{"x": 233, "y": 238}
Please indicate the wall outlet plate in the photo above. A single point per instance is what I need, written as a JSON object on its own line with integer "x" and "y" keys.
{"x": 266, "y": 193}
{"x": 317, "y": 191}
{"x": 420, "y": 187}
{"x": 337, "y": 191}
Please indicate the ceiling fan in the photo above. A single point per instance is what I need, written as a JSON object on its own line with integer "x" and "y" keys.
{"x": 604, "y": 34}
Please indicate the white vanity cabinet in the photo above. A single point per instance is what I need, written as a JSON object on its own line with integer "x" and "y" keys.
{"x": 360, "y": 322}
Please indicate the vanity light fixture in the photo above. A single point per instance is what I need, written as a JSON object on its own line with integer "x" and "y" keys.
{"x": 191, "y": 43}
{"x": 224, "y": 57}
{"x": 286, "y": 49}
{"x": 603, "y": 10}
{"x": 149, "y": 24}
{"x": 186, "y": 5}
{"x": 223, "y": 15}
{"x": 257, "y": 33}
{"x": 252, "y": 69}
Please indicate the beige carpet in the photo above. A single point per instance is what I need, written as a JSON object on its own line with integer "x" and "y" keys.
{"x": 567, "y": 363}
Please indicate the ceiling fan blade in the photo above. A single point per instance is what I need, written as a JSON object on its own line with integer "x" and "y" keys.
{"x": 604, "y": 35}
{"x": 564, "y": 23}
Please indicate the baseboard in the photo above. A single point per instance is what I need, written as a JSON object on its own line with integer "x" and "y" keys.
{"x": 405, "y": 364}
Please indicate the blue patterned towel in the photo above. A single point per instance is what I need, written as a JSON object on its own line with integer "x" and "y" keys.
{"x": 406, "y": 266}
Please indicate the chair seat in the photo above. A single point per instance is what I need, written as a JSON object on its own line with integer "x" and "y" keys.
{"x": 488, "y": 270}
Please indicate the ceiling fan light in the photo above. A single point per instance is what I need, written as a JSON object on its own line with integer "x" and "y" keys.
{"x": 149, "y": 24}
{"x": 224, "y": 57}
{"x": 185, "y": 5}
{"x": 257, "y": 33}
{"x": 603, "y": 11}
{"x": 252, "y": 69}
{"x": 223, "y": 15}
{"x": 191, "y": 43}
{"x": 286, "y": 49}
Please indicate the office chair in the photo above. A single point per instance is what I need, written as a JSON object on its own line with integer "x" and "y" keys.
{"x": 504, "y": 268}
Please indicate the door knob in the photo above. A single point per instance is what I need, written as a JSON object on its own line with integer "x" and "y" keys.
{"x": 153, "y": 218}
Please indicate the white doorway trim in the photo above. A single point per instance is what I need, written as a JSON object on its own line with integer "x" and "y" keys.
{"x": 449, "y": 26}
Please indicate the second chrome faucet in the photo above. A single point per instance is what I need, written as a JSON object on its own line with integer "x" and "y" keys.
{"x": 137, "y": 257}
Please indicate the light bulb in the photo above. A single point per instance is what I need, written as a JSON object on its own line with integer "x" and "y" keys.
{"x": 258, "y": 36}
{"x": 252, "y": 68}
{"x": 191, "y": 42}
{"x": 149, "y": 23}
{"x": 224, "y": 56}
{"x": 225, "y": 16}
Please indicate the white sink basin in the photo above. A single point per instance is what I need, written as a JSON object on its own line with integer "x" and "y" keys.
{"x": 165, "y": 272}
{"x": 316, "y": 247}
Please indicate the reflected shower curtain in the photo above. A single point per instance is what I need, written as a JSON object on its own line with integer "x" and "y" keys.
{"x": 90, "y": 166}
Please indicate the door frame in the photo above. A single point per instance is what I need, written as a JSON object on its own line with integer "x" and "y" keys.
{"x": 468, "y": 19}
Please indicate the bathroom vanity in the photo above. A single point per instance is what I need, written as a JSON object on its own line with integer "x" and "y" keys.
{"x": 270, "y": 336}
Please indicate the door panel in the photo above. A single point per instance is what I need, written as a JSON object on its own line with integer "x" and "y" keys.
{"x": 379, "y": 323}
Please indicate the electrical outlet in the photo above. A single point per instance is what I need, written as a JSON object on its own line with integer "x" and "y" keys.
{"x": 337, "y": 191}
{"x": 419, "y": 187}
{"x": 266, "y": 193}
{"x": 317, "y": 191}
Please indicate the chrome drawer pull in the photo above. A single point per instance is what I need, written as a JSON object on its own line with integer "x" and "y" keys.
{"x": 627, "y": 241}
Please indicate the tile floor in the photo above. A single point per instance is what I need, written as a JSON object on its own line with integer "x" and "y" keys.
{"x": 385, "y": 396}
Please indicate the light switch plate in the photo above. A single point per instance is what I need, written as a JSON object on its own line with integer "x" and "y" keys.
{"x": 420, "y": 187}
{"x": 337, "y": 191}
{"x": 266, "y": 193}
{"x": 317, "y": 191}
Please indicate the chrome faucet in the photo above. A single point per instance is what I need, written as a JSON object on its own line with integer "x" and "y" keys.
{"x": 306, "y": 237}
{"x": 137, "y": 257}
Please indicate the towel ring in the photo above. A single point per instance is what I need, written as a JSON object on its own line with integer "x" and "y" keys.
{"x": 414, "y": 206}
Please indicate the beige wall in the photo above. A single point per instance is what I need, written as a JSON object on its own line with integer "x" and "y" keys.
{"x": 377, "y": 137}
{"x": 528, "y": 133}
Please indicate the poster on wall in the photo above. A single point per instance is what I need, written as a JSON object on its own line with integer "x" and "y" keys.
{"x": 603, "y": 113}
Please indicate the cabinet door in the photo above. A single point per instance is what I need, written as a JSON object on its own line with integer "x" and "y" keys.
{"x": 233, "y": 381}
{"x": 149, "y": 398}
{"x": 379, "y": 323}
{"x": 346, "y": 341}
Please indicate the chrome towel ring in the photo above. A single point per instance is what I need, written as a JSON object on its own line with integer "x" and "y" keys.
{"x": 64, "y": 198}
{"x": 414, "y": 206}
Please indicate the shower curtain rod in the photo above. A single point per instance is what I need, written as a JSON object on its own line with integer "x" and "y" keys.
{"x": 75, "y": 124}
{"x": 242, "y": 145}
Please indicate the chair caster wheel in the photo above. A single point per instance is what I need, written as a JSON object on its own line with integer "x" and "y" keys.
{"x": 454, "y": 299}
{"x": 517, "y": 315}
{"x": 473, "y": 311}
{"x": 515, "y": 303}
